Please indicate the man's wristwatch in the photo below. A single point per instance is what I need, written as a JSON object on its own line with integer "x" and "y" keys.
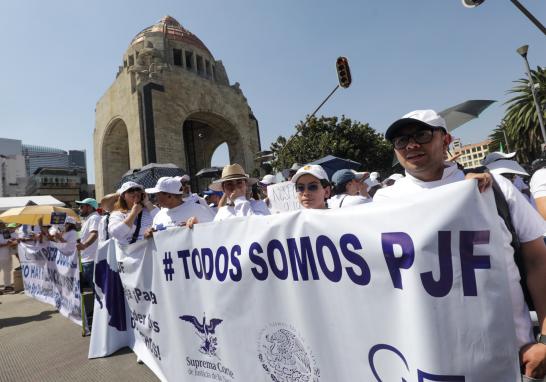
{"x": 541, "y": 339}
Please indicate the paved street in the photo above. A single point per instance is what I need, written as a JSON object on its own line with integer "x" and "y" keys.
{"x": 38, "y": 344}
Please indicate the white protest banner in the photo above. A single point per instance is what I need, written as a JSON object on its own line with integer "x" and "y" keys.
{"x": 416, "y": 291}
{"x": 283, "y": 197}
{"x": 111, "y": 328}
{"x": 53, "y": 277}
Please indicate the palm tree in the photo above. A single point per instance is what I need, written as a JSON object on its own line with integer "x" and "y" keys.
{"x": 498, "y": 140}
{"x": 521, "y": 118}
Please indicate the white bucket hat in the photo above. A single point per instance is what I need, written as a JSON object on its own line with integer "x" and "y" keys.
{"x": 505, "y": 166}
{"x": 495, "y": 156}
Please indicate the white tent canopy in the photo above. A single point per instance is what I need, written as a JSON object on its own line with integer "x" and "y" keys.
{"x": 21, "y": 201}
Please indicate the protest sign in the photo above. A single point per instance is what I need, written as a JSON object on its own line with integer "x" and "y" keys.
{"x": 310, "y": 295}
{"x": 52, "y": 276}
{"x": 283, "y": 197}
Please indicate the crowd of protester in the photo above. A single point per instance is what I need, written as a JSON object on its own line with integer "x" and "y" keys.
{"x": 421, "y": 144}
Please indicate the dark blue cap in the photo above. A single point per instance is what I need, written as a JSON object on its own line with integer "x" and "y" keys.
{"x": 343, "y": 176}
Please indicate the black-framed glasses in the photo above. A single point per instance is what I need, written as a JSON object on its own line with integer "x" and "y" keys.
{"x": 421, "y": 137}
{"x": 312, "y": 187}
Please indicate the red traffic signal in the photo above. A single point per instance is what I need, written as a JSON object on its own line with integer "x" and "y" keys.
{"x": 343, "y": 72}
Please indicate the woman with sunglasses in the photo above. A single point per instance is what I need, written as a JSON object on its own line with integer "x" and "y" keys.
{"x": 133, "y": 214}
{"x": 312, "y": 186}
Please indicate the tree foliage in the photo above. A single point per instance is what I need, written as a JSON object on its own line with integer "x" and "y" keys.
{"x": 521, "y": 119}
{"x": 342, "y": 138}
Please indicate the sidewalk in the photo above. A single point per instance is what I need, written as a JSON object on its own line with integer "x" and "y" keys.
{"x": 38, "y": 344}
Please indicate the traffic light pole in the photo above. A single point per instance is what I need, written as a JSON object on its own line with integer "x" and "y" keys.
{"x": 529, "y": 15}
{"x": 319, "y": 106}
{"x": 311, "y": 116}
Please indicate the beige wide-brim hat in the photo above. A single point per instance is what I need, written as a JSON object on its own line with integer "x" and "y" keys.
{"x": 232, "y": 172}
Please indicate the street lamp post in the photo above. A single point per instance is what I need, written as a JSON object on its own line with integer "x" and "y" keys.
{"x": 523, "y": 53}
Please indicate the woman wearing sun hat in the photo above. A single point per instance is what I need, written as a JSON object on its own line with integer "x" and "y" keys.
{"x": 133, "y": 214}
{"x": 233, "y": 184}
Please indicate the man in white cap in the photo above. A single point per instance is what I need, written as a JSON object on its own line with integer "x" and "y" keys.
{"x": 174, "y": 211}
{"x": 88, "y": 238}
{"x": 420, "y": 142}
{"x": 312, "y": 186}
{"x": 348, "y": 188}
{"x": 234, "y": 183}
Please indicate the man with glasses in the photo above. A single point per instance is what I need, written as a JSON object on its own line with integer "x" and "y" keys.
{"x": 234, "y": 183}
{"x": 420, "y": 142}
{"x": 88, "y": 239}
{"x": 312, "y": 186}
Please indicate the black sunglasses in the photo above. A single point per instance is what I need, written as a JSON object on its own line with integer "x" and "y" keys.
{"x": 421, "y": 137}
{"x": 131, "y": 190}
{"x": 313, "y": 187}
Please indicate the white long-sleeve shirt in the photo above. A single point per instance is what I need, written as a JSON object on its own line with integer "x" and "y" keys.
{"x": 122, "y": 232}
{"x": 242, "y": 207}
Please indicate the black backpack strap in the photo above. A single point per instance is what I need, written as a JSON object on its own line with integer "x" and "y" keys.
{"x": 106, "y": 224}
{"x": 137, "y": 230}
{"x": 504, "y": 212}
{"x": 342, "y": 200}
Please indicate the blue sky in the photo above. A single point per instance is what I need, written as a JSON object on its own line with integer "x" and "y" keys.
{"x": 60, "y": 56}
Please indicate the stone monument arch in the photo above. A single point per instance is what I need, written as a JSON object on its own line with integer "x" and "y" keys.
{"x": 171, "y": 102}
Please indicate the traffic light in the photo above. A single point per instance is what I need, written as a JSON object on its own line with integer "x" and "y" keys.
{"x": 343, "y": 72}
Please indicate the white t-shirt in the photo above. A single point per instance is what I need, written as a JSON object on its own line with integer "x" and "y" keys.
{"x": 345, "y": 200}
{"x": 538, "y": 184}
{"x": 90, "y": 224}
{"x": 172, "y": 217}
{"x": 122, "y": 232}
{"x": 242, "y": 207}
{"x": 528, "y": 224}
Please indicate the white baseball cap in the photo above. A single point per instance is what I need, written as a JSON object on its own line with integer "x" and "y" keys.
{"x": 311, "y": 169}
{"x": 495, "y": 156}
{"x": 269, "y": 179}
{"x": 127, "y": 186}
{"x": 424, "y": 118}
{"x": 505, "y": 166}
{"x": 166, "y": 184}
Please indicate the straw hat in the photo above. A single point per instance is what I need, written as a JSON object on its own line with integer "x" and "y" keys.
{"x": 231, "y": 172}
